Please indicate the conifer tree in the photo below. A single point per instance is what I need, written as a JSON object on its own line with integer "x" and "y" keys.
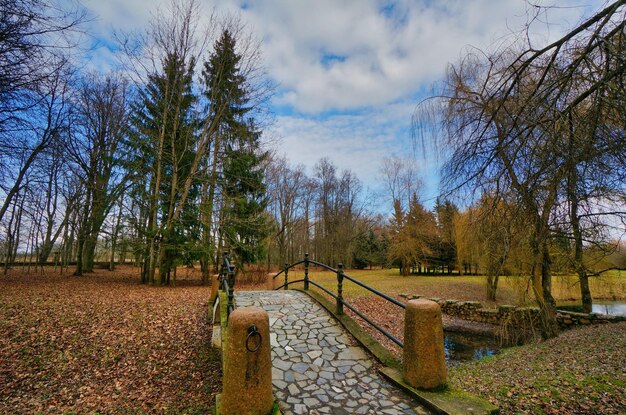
{"x": 245, "y": 225}
{"x": 165, "y": 134}
{"x": 236, "y": 159}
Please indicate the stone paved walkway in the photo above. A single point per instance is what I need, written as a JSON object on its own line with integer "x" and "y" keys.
{"x": 317, "y": 366}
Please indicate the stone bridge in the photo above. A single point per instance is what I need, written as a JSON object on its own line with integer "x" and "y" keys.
{"x": 318, "y": 367}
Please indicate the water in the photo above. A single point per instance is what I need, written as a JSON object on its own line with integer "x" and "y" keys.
{"x": 611, "y": 308}
{"x": 461, "y": 347}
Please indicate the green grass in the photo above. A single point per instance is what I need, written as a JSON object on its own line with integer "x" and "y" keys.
{"x": 511, "y": 290}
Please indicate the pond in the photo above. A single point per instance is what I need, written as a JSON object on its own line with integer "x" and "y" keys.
{"x": 462, "y": 347}
{"x": 611, "y": 308}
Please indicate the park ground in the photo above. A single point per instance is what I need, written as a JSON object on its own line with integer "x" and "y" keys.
{"x": 103, "y": 343}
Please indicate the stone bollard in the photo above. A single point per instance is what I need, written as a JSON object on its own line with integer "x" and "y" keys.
{"x": 247, "y": 377}
{"x": 215, "y": 287}
{"x": 269, "y": 285}
{"x": 423, "y": 358}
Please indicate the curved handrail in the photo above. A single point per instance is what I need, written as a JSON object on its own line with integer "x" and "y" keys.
{"x": 323, "y": 265}
{"x": 321, "y": 287}
{"x": 310, "y": 262}
{"x": 339, "y": 296}
{"x": 376, "y": 326}
{"x": 290, "y": 266}
{"x": 375, "y": 291}
{"x": 290, "y": 282}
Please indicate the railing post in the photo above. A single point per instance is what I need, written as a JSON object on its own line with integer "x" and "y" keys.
{"x": 286, "y": 287}
{"x": 229, "y": 273}
{"x": 231, "y": 286}
{"x": 340, "y": 288}
{"x": 247, "y": 364}
{"x": 222, "y": 272}
{"x": 423, "y": 356}
{"x": 306, "y": 271}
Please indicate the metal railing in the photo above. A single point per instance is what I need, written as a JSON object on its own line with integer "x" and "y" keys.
{"x": 340, "y": 302}
{"x": 227, "y": 282}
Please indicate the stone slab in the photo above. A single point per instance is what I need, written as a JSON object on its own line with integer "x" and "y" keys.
{"x": 445, "y": 402}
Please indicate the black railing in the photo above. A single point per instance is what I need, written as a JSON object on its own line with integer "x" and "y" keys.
{"x": 227, "y": 282}
{"x": 340, "y": 302}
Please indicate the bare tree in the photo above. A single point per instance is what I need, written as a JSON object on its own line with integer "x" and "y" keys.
{"x": 34, "y": 39}
{"x": 95, "y": 149}
{"x": 287, "y": 188}
{"x": 504, "y": 118}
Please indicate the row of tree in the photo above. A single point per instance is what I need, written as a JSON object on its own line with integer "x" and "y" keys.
{"x": 164, "y": 165}
{"x": 163, "y": 162}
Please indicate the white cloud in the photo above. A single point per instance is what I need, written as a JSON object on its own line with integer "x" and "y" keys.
{"x": 386, "y": 57}
{"x": 357, "y": 142}
{"x": 390, "y": 49}
{"x": 381, "y": 55}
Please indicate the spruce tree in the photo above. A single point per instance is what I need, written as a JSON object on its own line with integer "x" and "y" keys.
{"x": 165, "y": 132}
{"x": 237, "y": 160}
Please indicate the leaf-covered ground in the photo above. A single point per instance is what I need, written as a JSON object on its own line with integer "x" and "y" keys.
{"x": 103, "y": 343}
{"x": 582, "y": 371}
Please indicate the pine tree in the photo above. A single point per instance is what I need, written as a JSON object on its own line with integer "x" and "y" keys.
{"x": 236, "y": 162}
{"x": 245, "y": 225}
{"x": 446, "y": 212}
{"x": 165, "y": 133}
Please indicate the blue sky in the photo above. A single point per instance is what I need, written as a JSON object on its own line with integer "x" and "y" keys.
{"x": 349, "y": 73}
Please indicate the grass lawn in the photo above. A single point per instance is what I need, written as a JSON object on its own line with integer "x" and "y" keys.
{"x": 511, "y": 290}
{"x": 103, "y": 343}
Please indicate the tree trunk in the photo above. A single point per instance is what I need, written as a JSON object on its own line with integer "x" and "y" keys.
{"x": 18, "y": 228}
{"x": 205, "y": 261}
{"x": 492, "y": 287}
{"x": 83, "y": 235}
{"x": 572, "y": 180}
{"x": 114, "y": 234}
{"x": 89, "y": 250}
{"x": 548, "y": 304}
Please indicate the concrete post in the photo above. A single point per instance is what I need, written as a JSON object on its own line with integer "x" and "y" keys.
{"x": 423, "y": 358}
{"x": 269, "y": 285}
{"x": 247, "y": 377}
{"x": 215, "y": 287}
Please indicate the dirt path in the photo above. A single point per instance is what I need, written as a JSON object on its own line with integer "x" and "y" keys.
{"x": 104, "y": 343}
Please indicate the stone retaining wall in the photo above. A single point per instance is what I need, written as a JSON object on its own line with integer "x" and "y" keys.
{"x": 475, "y": 311}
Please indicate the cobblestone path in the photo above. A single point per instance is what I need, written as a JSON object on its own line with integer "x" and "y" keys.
{"x": 317, "y": 366}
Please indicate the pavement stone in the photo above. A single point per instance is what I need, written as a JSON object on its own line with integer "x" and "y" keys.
{"x": 318, "y": 367}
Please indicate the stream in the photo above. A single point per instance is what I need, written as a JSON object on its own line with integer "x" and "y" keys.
{"x": 611, "y": 308}
{"x": 462, "y": 347}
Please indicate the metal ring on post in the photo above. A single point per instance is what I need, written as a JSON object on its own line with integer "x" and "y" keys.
{"x": 253, "y": 332}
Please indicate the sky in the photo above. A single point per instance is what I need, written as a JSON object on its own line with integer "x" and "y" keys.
{"x": 349, "y": 74}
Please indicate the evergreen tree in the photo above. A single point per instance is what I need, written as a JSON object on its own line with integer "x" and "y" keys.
{"x": 236, "y": 152}
{"x": 164, "y": 134}
{"x": 446, "y": 212}
{"x": 369, "y": 250}
{"x": 412, "y": 236}
{"x": 246, "y": 225}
